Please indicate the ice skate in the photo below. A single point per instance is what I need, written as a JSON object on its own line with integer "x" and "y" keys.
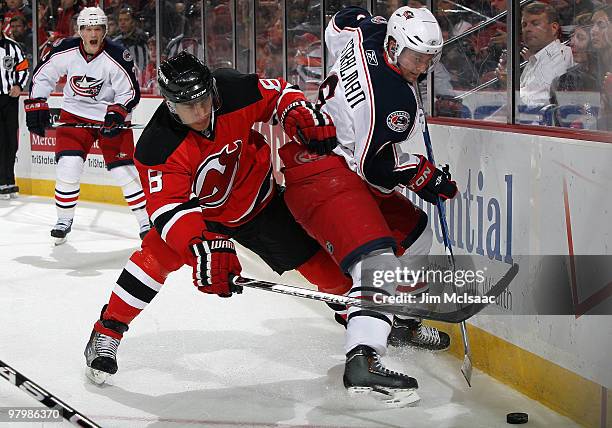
{"x": 364, "y": 373}
{"x": 101, "y": 351}
{"x": 61, "y": 230}
{"x": 411, "y": 332}
{"x": 4, "y": 192}
{"x": 13, "y": 191}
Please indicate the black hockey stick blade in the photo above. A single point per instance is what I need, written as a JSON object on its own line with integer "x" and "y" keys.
{"x": 45, "y": 397}
{"x": 455, "y": 317}
{"x": 94, "y": 125}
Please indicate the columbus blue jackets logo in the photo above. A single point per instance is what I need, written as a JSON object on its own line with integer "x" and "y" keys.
{"x": 86, "y": 86}
{"x": 127, "y": 56}
{"x": 408, "y": 14}
{"x": 398, "y": 121}
{"x": 216, "y": 174}
{"x": 379, "y": 20}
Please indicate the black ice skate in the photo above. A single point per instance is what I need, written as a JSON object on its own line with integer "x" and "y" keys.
{"x": 365, "y": 373}
{"x": 101, "y": 351}
{"x": 13, "y": 191}
{"x": 411, "y": 332}
{"x": 61, "y": 229}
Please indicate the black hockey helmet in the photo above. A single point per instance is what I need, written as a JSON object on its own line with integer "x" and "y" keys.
{"x": 184, "y": 78}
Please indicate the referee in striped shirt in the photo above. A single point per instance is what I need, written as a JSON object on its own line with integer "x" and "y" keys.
{"x": 13, "y": 77}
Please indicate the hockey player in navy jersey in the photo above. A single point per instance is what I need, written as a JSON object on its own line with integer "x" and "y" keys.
{"x": 347, "y": 199}
{"x": 101, "y": 88}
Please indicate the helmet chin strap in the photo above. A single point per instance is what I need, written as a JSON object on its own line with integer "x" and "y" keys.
{"x": 209, "y": 132}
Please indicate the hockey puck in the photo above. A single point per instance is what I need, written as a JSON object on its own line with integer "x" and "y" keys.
{"x": 517, "y": 418}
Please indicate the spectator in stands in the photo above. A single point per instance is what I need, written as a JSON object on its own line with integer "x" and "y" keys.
{"x": 219, "y": 36}
{"x": 458, "y": 25}
{"x": 113, "y": 8}
{"x": 64, "y": 26}
{"x": 601, "y": 38}
{"x": 581, "y": 76}
{"x": 148, "y": 77}
{"x": 456, "y": 66}
{"x": 133, "y": 38}
{"x": 547, "y": 57}
{"x": 43, "y": 13}
{"x": 568, "y": 10}
{"x": 490, "y": 43}
{"x": 22, "y": 34}
{"x": 15, "y": 8}
{"x": 112, "y": 28}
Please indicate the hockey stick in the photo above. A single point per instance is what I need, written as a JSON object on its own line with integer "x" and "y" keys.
{"x": 45, "y": 397}
{"x": 466, "y": 367}
{"x": 94, "y": 125}
{"x": 405, "y": 309}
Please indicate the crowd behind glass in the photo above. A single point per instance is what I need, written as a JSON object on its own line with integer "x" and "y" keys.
{"x": 566, "y": 55}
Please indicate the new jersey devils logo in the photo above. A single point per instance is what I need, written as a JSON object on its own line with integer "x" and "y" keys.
{"x": 86, "y": 86}
{"x": 215, "y": 176}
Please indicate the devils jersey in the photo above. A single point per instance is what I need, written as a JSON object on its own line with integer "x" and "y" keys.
{"x": 93, "y": 81}
{"x": 226, "y": 177}
{"x": 373, "y": 107}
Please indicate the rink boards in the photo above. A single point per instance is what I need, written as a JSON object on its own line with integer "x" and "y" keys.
{"x": 520, "y": 195}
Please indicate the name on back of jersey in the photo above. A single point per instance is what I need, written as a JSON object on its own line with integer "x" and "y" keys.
{"x": 349, "y": 76}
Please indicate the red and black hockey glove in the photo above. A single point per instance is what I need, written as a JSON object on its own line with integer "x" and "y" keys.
{"x": 114, "y": 119}
{"x": 214, "y": 260}
{"x": 431, "y": 183}
{"x": 37, "y": 115}
{"x": 310, "y": 127}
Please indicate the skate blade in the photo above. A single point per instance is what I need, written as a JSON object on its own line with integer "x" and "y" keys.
{"x": 391, "y": 398}
{"x": 96, "y": 376}
{"x": 59, "y": 241}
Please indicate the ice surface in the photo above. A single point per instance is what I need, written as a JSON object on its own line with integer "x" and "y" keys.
{"x": 255, "y": 360}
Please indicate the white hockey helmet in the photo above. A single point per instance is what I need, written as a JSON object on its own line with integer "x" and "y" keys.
{"x": 414, "y": 29}
{"x": 91, "y": 16}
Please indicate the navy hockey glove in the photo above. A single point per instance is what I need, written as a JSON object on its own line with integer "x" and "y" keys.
{"x": 214, "y": 260}
{"x": 37, "y": 115}
{"x": 114, "y": 119}
{"x": 431, "y": 183}
{"x": 309, "y": 126}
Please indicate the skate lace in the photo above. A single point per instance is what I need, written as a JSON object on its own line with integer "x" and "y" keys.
{"x": 106, "y": 346}
{"x": 378, "y": 365}
{"x": 428, "y": 335}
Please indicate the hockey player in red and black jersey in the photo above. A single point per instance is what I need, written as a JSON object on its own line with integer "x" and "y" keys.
{"x": 207, "y": 176}
{"x": 101, "y": 89}
{"x": 347, "y": 199}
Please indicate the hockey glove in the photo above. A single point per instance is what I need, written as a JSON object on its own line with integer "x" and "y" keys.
{"x": 214, "y": 259}
{"x": 114, "y": 119}
{"x": 431, "y": 183}
{"x": 310, "y": 127}
{"x": 37, "y": 115}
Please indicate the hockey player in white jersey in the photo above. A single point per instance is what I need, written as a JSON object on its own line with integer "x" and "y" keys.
{"x": 347, "y": 199}
{"x": 101, "y": 88}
